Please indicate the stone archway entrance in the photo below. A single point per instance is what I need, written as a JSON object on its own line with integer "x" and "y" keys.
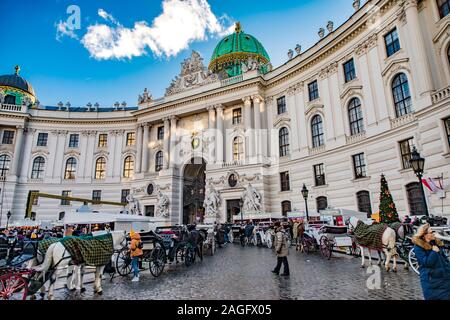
{"x": 194, "y": 181}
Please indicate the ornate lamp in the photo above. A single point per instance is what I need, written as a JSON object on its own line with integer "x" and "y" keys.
{"x": 418, "y": 165}
{"x": 305, "y": 193}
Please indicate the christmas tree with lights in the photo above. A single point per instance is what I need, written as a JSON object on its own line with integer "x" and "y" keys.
{"x": 388, "y": 211}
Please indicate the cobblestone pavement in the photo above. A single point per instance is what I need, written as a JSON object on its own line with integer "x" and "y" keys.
{"x": 244, "y": 273}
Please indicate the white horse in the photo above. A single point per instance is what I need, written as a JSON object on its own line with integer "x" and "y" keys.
{"x": 388, "y": 240}
{"x": 58, "y": 257}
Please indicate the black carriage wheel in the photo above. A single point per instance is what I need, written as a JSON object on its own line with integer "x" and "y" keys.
{"x": 189, "y": 257}
{"x": 179, "y": 254}
{"x": 157, "y": 260}
{"x": 123, "y": 263}
{"x": 325, "y": 247}
{"x": 199, "y": 251}
{"x": 305, "y": 245}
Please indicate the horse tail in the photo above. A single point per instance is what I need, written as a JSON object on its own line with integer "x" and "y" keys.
{"x": 45, "y": 266}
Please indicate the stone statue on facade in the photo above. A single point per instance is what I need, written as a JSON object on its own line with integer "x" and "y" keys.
{"x": 163, "y": 205}
{"x": 2, "y": 95}
{"x": 252, "y": 199}
{"x": 298, "y": 49}
{"x": 133, "y": 206}
{"x": 145, "y": 97}
{"x": 192, "y": 75}
{"x": 212, "y": 202}
{"x": 290, "y": 54}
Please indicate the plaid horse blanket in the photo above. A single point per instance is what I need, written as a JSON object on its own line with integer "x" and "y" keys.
{"x": 92, "y": 251}
{"x": 370, "y": 236}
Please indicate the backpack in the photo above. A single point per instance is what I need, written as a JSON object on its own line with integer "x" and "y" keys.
{"x": 140, "y": 245}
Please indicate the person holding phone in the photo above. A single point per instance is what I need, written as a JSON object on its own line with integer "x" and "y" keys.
{"x": 434, "y": 266}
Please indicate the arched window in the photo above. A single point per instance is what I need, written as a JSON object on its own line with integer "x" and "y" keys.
{"x": 128, "y": 167}
{"x": 416, "y": 200}
{"x": 355, "y": 116}
{"x": 317, "y": 131}
{"x": 10, "y": 99}
{"x": 4, "y": 165}
{"x": 283, "y": 136}
{"x": 159, "y": 161}
{"x": 322, "y": 203}
{"x": 285, "y": 208}
{"x": 37, "y": 171}
{"x": 238, "y": 149}
{"x": 444, "y": 7}
{"x": 402, "y": 96}
{"x": 100, "y": 168}
{"x": 364, "y": 205}
{"x": 71, "y": 168}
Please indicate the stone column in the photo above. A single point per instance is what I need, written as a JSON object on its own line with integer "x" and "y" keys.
{"x": 166, "y": 142}
{"x": 257, "y": 101}
{"x": 212, "y": 132}
{"x": 59, "y": 167}
{"x": 220, "y": 134}
{"x": 270, "y": 112}
{"x": 137, "y": 168}
{"x": 292, "y": 109}
{"x": 112, "y": 136}
{"x": 248, "y": 128}
{"x": 417, "y": 50}
{"x": 18, "y": 146}
{"x": 145, "y": 165}
{"x": 303, "y": 125}
{"x": 91, "y": 143}
{"x": 173, "y": 141}
{"x": 28, "y": 144}
{"x": 84, "y": 137}
{"x": 365, "y": 76}
{"x": 326, "y": 100}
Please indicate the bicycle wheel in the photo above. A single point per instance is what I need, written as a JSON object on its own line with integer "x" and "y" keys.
{"x": 123, "y": 262}
{"x": 157, "y": 260}
{"x": 13, "y": 287}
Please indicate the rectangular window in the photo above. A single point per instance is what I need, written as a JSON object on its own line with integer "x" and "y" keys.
{"x": 313, "y": 90}
{"x": 73, "y": 140}
{"x": 392, "y": 42}
{"x": 447, "y": 129}
{"x": 406, "y": 147}
{"x": 124, "y": 195}
{"x": 349, "y": 70}
{"x": 8, "y": 137}
{"x": 36, "y": 199}
{"x": 97, "y": 195}
{"x": 66, "y": 193}
{"x": 102, "y": 140}
{"x": 319, "y": 175}
{"x": 149, "y": 211}
{"x": 160, "y": 133}
{"x": 285, "y": 183}
{"x": 359, "y": 166}
{"x": 42, "y": 139}
{"x": 444, "y": 7}
{"x": 237, "y": 116}
{"x": 131, "y": 139}
{"x": 281, "y": 105}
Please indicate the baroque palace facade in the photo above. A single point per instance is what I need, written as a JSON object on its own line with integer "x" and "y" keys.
{"x": 334, "y": 117}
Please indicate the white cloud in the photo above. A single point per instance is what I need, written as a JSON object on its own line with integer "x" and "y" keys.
{"x": 62, "y": 29}
{"x": 180, "y": 23}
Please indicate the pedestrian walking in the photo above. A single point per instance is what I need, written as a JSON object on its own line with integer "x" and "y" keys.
{"x": 282, "y": 249}
{"x": 136, "y": 251}
{"x": 434, "y": 266}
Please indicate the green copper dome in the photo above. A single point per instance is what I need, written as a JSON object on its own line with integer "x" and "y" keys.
{"x": 234, "y": 49}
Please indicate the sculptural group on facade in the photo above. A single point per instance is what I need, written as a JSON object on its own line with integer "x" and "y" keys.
{"x": 252, "y": 200}
{"x": 145, "y": 97}
{"x": 133, "y": 205}
{"x": 163, "y": 205}
{"x": 193, "y": 74}
{"x": 212, "y": 202}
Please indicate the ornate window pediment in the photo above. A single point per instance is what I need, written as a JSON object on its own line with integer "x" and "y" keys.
{"x": 394, "y": 67}
{"x": 351, "y": 91}
{"x": 281, "y": 120}
{"x": 313, "y": 108}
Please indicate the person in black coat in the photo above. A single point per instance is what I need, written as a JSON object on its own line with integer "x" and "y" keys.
{"x": 434, "y": 266}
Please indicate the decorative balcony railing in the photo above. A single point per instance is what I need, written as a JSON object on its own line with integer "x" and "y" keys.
{"x": 398, "y": 122}
{"x": 11, "y": 107}
{"x": 232, "y": 80}
{"x": 355, "y": 138}
{"x": 317, "y": 150}
{"x": 441, "y": 95}
{"x": 232, "y": 164}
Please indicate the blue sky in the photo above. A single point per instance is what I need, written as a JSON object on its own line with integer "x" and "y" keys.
{"x": 81, "y": 69}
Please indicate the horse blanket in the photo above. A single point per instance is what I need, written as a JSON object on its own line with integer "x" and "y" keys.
{"x": 89, "y": 250}
{"x": 370, "y": 236}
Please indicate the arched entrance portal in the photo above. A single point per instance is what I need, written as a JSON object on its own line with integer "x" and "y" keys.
{"x": 194, "y": 181}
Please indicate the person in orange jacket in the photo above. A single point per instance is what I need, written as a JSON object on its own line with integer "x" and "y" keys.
{"x": 136, "y": 252}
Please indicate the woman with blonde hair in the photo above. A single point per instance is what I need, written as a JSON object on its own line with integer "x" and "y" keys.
{"x": 434, "y": 266}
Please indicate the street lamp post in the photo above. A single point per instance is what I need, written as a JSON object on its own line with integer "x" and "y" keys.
{"x": 418, "y": 164}
{"x": 241, "y": 204}
{"x": 8, "y": 216}
{"x": 305, "y": 192}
